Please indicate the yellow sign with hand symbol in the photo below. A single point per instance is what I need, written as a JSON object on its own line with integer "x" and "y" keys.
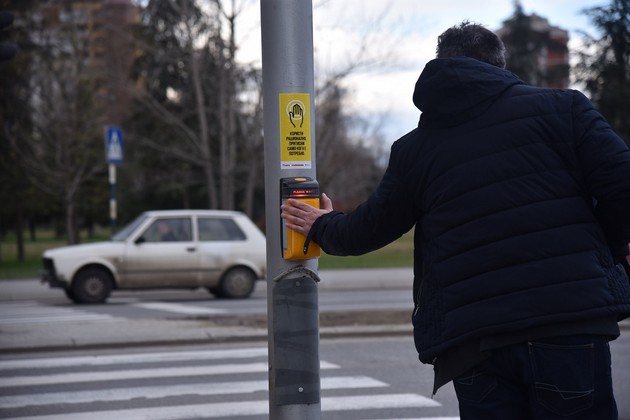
{"x": 295, "y": 131}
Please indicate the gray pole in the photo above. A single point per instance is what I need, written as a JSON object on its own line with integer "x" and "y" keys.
{"x": 289, "y": 131}
{"x": 113, "y": 206}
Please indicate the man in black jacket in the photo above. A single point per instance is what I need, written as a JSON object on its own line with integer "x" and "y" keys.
{"x": 520, "y": 198}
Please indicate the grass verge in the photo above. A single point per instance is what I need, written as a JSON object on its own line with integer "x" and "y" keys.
{"x": 31, "y": 266}
{"x": 397, "y": 254}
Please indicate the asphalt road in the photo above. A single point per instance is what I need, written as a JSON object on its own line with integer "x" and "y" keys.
{"x": 339, "y": 291}
{"x": 331, "y": 281}
{"x": 36, "y": 321}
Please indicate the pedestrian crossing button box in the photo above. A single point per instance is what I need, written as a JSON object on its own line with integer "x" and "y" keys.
{"x": 294, "y": 245}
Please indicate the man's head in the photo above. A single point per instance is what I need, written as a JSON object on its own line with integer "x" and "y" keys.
{"x": 163, "y": 228}
{"x": 474, "y": 41}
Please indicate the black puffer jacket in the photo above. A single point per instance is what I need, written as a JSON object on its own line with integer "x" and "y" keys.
{"x": 505, "y": 183}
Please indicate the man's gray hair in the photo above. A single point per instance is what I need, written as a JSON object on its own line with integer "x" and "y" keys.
{"x": 472, "y": 40}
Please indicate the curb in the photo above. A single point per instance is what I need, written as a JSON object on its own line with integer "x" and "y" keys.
{"x": 146, "y": 333}
{"x": 207, "y": 329}
{"x": 216, "y": 336}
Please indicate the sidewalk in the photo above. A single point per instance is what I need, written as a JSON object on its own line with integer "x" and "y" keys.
{"x": 151, "y": 332}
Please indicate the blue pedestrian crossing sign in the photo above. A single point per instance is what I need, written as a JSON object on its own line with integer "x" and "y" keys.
{"x": 114, "y": 144}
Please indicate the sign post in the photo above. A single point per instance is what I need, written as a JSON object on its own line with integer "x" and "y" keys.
{"x": 289, "y": 127}
{"x": 114, "y": 156}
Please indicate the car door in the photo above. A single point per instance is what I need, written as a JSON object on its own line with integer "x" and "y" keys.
{"x": 163, "y": 255}
{"x": 220, "y": 240}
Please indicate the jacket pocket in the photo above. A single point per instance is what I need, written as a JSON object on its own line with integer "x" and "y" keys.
{"x": 563, "y": 376}
{"x": 474, "y": 385}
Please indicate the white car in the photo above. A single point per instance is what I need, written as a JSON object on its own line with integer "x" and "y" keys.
{"x": 222, "y": 251}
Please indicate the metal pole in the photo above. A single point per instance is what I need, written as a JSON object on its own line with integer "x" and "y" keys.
{"x": 289, "y": 130}
{"x": 113, "y": 207}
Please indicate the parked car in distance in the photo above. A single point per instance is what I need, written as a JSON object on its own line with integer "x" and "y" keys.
{"x": 222, "y": 251}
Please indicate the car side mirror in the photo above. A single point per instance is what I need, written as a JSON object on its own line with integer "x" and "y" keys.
{"x": 140, "y": 240}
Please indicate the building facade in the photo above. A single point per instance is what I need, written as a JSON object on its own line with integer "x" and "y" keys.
{"x": 536, "y": 50}
{"x": 98, "y": 36}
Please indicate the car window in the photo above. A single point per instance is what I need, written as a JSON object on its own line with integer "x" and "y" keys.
{"x": 169, "y": 230}
{"x": 129, "y": 229}
{"x": 219, "y": 229}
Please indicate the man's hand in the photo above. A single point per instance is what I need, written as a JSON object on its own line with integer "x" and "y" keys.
{"x": 300, "y": 216}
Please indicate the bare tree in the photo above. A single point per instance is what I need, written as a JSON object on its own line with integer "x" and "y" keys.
{"x": 15, "y": 191}
{"x": 349, "y": 147}
{"x": 603, "y": 65}
{"x": 62, "y": 149}
{"x": 172, "y": 90}
{"x": 248, "y": 173}
{"x": 191, "y": 82}
{"x": 347, "y": 150}
{"x": 200, "y": 106}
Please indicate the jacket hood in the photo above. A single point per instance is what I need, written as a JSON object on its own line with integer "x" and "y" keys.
{"x": 451, "y": 91}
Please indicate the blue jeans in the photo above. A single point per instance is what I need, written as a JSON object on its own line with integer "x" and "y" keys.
{"x": 552, "y": 378}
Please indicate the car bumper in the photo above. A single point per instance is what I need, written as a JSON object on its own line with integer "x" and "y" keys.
{"x": 49, "y": 275}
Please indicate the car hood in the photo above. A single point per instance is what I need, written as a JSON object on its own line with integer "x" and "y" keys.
{"x": 97, "y": 248}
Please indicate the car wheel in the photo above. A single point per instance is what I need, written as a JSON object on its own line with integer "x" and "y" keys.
{"x": 237, "y": 283}
{"x": 91, "y": 285}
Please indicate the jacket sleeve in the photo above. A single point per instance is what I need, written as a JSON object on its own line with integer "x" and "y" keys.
{"x": 605, "y": 160}
{"x": 385, "y": 216}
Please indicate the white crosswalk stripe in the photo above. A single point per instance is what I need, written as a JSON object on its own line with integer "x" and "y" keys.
{"x": 215, "y": 388}
{"x": 179, "y": 308}
{"x": 111, "y": 359}
{"x": 189, "y": 371}
{"x": 230, "y": 383}
{"x": 247, "y": 408}
{"x": 29, "y": 312}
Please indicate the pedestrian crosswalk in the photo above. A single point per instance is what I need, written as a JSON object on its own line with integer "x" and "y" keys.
{"x": 32, "y": 312}
{"x": 217, "y": 383}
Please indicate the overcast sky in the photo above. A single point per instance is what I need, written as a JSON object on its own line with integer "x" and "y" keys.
{"x": 404, "y": 31}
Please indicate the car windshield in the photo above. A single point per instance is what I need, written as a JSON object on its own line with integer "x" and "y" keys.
{"x": 129, "y": 229}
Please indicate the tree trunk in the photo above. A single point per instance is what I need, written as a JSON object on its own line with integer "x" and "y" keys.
{"x": 202, "y": 120}
{"x": 250, "y": 188}
{"x": 227, "y": 115}
{"x": 1, "y": 238}
{"x": 32, "y": 230}
{"x": 227, "y": 141}
{"x": 19, "y": 233}
{"x": 71, "y": 221}
{"x": 210, "y": 182}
